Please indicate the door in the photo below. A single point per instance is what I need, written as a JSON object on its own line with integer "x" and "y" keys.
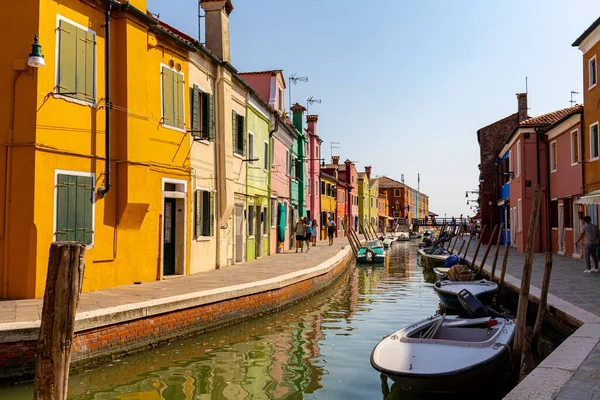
{"x": 561, "y": 228}
{"x": 576, "y": 229}
{"x": 239, "y": 233}
{"x": 169, "y": 238}
{"x": 258, "y": 231}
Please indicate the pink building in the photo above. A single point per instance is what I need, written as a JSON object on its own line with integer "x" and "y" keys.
{"x": 270, "y": 86}
{"x": 313, "y": 203}
{"x": 546, "y": 150}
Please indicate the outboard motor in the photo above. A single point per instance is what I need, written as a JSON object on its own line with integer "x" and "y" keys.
{"x": 474, "y": 308}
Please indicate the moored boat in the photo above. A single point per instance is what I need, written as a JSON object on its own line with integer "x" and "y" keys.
{"x": 475, "y": 351}
{"x": 448, "y": 291}
{"x": 434, "y": 256}
{"x": 372, "y": 252}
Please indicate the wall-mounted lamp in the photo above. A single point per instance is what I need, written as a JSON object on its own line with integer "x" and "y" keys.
{"x": 36, "y": 59}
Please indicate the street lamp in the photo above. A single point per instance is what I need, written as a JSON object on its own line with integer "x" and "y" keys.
{"x": 36, "y": 59}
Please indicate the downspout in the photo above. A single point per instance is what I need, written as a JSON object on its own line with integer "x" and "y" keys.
{"x": 538, "y": 172}
{"x": 217, "y": 181}
{"x": 102, "y": 191}
{"x": 548, "y": 197}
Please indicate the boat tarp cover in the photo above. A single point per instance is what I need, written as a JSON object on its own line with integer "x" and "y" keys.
{"x": 460, "y": 273}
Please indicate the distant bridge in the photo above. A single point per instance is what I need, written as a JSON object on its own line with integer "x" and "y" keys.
{"x": 430, "y": 221}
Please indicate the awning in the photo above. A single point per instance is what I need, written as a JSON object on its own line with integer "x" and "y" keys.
{"x": 590, "y": 198}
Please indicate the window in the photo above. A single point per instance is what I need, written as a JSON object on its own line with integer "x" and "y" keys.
{"x": 203, "y": 114}
{"x": 273, "y": 213}
{"x": 76, "y": 73}
{"x": 204, "y": 215}
{"x": 593, "y": 72}
{"x": 287, "y": 162}
{"x": 297, "y": 168}
{"x": 251, "y": 220}
{"x": 396, "y": 192}
{"x": 309, "y": 186}
{"x": 519, "y": 158}
{"x": 172, "y": 98}
{"x": 574, "y": 147}
{"x": 594, "y": 141}
{"x": 317, "y": 188}
{"x": 553, "y": 156}
{"x": 75, "y": 208}
{"x": 568, "y": 209}
{"x": 520, "y": 215}
{"x": 250, "y": 148}
{"x": 272, "y": 152}
{"x": 264, "y": 221}
{"x": 266, "y": 158}
{"x": 554, "y": 214}
{"x": 239, "y": 133}
{"x": 317, "y": 153}
{"x": 328, "y": 189}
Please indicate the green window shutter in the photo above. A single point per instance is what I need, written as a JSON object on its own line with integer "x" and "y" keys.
{"x": 244, "y": 132}
{"x": 168, "y": 97}
{"x": 90, "y": 65}
{"x": 212, "y": 214}
{"x": 179, "y": 101}
{"x": 234, "y": 129}
{"x": 83, "y": 211}
{"x": 62, "y": 208}
{"x": 211, "y": 115}
{"x": 195, "y": 114}
{"x": 198, "y": 215}
{"x": 206, "y": 213}
{"x": 67, "y": 55}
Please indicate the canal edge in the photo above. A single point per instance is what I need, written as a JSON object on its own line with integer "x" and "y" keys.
{"x": 103, "y": 334}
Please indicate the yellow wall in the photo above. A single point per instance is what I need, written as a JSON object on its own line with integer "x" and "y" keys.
{"x": 69, "y": 136}
{"x": 591, "y": 169}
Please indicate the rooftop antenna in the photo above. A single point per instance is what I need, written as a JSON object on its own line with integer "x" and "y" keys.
{"x": 527, "y": 91}
{"x": 573, "y": 101}
{"x": 333, "y": 146}
{"x": 200, "y": 17}
{"x": 310, "y": 101}
{"x": 402, "y": 179}
{"x": 295, "y": 79}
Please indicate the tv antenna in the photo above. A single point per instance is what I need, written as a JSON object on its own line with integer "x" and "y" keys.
{"x": 310, "y": 101}
{"x": 294, "y": 78}
{"x": 573, "y": 101}
{"x": 333, "y": 146}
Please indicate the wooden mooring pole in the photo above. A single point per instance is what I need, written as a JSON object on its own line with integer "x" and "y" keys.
{"x": 487, "y": 250}
{"x": 520, "y": 330}
{"x": 503, "y": 271}
{"x": 63, "y": 287}
{"x": 468, "y": 244}
{"x": 477, "y": 248}
{"x": 496, "y": 253}
{"x": 456, "y": 241}
{"x": 539, "y": 319}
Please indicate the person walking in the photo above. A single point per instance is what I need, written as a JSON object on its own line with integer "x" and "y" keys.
{"x": 330, "y": 230}
{"x": 589, "y": 235}
{"x": 308, "y": 235}
{"x": 300, "y": 230}
{"x": 315, "y": 227}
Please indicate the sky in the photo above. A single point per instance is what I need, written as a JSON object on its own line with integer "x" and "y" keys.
{"x": 405, "y": 85}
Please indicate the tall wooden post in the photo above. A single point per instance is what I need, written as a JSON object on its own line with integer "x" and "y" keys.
{"x": 520, "y": 330}
{"x": 487, "y": 249}
{"x": 63, "y": 287}
{"x": 503, "y": 271}
{"x": 456, "y": 241}
{"x": 468, "y": 244}
{"x": 496, "y": 254}
{"x": 477, "y": 248}
{"x": 539, "y": 319}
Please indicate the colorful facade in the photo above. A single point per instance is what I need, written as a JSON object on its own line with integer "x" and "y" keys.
{"x": 328, "y": 201}
{"x": 373, "y": 217}
{"x": 363, "y": 200}
{"x": 313, "y": 169}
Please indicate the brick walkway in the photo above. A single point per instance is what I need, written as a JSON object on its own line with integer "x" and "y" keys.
{"x": 569, "y": 283}
{"x": 252, "y": 271}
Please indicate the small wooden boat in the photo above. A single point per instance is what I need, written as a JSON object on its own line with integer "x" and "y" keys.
{"x": 447, "y": 291}
{"x": 446, "y": 354}
{"x": 372, "y": 252}
{"x": 441, "y": 272}
{"x": 432, "y": 260}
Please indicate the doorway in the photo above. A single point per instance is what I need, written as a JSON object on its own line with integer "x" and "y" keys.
{"x": 561, "y": 229}
{"x": 258, "y": 231}
{"x": 169, "y": 237}
{"x": 576, "y": 229}
{"x": 239, "y": 233}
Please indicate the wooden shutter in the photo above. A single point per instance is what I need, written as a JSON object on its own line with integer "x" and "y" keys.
{"x": 168, "y": 97}
{"x": 67, "y": 55}
{"x": 210, "y": 115}
{"x": 197, "y": 215}
{"x": 62, "y": 208}
{"x": 212, "y": 214}
{"x": 90, "y": 65}
{"x": 83, "y": 213}
{"x": 234, "y": 129}
{"x": 195, "y": 114}
{"x": 244, "y": 134}
{"x": 179, "y": 101}
{"x": 206, "y": 213}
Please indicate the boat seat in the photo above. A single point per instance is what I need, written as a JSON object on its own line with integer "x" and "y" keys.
{"x": 465, "y": 335}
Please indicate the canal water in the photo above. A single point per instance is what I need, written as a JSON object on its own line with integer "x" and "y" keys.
{"x": 317, "y": 349}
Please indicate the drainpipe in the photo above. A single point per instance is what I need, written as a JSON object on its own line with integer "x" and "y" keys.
{"x": 102, "y": 191}
{"x": 217, "y": 213}
{"x": 538, "y": 172}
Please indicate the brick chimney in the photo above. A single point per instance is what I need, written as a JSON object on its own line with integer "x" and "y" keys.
{"x": 217, "y": 27}
{"x": 368, "y": 171}
{"x": 312, "y": 123}
{"x": 334, "y": 159}
{"x": 522, "y": 102}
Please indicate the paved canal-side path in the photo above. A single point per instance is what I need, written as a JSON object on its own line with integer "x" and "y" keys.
{"x": 569, "y": 283}
{"x": 248, "y": 272}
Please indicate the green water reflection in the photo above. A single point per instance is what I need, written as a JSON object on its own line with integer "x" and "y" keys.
{"x": 317, "y": 349}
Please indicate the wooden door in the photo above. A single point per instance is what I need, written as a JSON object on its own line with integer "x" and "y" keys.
{"x": 239, "y": 233}
{"x": 169, "y": 237}
{"x": 561, "y": 228}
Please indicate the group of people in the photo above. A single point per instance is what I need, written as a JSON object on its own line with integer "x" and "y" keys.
{"x": 307, "y": 231}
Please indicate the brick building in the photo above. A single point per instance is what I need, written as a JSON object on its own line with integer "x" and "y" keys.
{"x": 491, "y": 138}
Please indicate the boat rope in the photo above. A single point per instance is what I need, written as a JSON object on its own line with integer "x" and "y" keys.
{"x": 509, "y": 353}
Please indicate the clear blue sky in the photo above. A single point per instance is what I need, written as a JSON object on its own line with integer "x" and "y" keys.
{"x": 406, "y": 84}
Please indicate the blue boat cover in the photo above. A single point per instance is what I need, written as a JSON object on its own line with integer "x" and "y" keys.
{"x": 451, "y": 261}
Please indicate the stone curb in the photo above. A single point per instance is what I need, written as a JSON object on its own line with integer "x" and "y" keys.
{"x": 29, "y": 330}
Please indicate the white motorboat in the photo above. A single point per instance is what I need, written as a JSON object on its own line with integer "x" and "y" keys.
{"x": 446, "y": 354}
{"x": 434, "y": 259}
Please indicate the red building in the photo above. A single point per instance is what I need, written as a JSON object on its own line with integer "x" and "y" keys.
{"x": 397, "y": 197}
{"x": 348, "y": 175}
{"x": 545, "y": 149}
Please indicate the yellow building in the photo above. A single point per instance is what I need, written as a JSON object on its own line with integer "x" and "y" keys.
{"x": 328, "y": 202}
{"x": 133, "y": 213}
{"x": 373, "y": 200}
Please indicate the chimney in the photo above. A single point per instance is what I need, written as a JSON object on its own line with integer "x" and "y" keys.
{"x": 216, "y": 17}
{"x": 522, "y": 101}
{"x": 368, "y": 171}
{"x": 334, "y": 159}
{"x": 298, "y": 117}
{"x": 312, "y": 123}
